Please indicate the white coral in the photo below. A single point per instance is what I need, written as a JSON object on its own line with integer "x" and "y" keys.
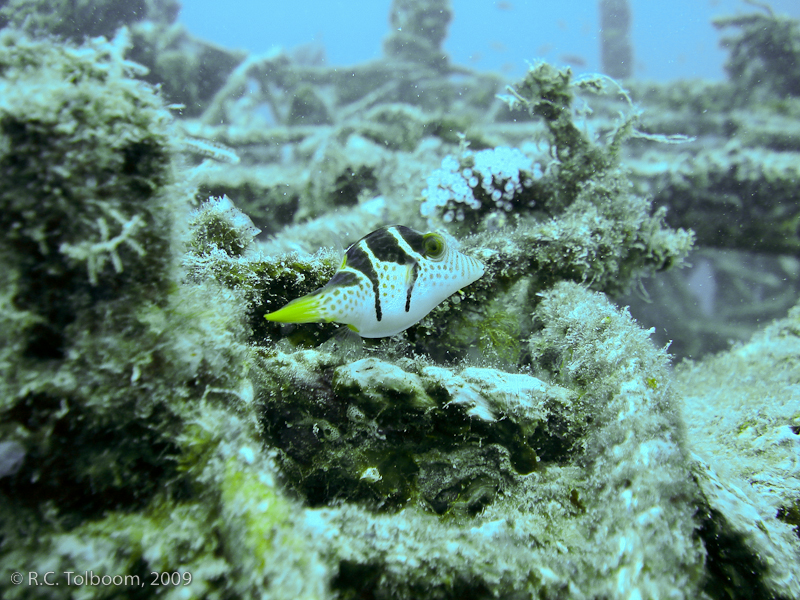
{"x": 501, "y": 172}
{"x": 96, "y": 253}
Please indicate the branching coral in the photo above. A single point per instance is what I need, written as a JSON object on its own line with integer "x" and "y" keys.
{"x": 95, "y": 254}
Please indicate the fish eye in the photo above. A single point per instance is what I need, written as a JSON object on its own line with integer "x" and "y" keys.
{"x": 433, "y": 245}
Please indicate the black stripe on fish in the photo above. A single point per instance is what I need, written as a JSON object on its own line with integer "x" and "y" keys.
{"x": 359, "y": 260}
{"x": 384, "y": 244}
{"x": 343, "y": 279}
{"x": 412, "y": 281}
{"x": 413, "y": 238}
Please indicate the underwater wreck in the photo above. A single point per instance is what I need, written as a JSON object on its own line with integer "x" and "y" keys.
{"x": 527, "y": 438}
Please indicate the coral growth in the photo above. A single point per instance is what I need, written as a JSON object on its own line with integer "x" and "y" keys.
{"x": 506, "y": 458}
{"x": 502, "y": 173}
{"x": 122, "y": 450}
{"x": 751, "y": 477}
{"x": 526, "y": 439}
{"x": 764, "y": 56}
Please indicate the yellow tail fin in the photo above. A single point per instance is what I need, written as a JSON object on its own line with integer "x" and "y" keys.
{"x": 301, "y": 310}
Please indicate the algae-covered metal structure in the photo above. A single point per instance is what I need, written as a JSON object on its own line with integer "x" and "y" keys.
{"x": 527, "y": 438}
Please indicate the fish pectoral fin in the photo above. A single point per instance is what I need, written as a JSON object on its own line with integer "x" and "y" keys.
{"x": 302, "y": 310}
{"x": 411, "y": 274}
{"x": 407, "y": 275}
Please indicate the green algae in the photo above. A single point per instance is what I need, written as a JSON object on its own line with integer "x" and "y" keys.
{"x": 75, "y": 21}
{"x": 527, "y": 439}
{"x": 749, "y": 477}
{"x": 764, "y": 54}
{"x": 342, "y": 425}
{"x": 111, "y": 362}
{"x": 571, "y": 502}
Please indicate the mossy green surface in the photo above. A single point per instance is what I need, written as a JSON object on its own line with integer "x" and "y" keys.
{"x": 75, "y": 21}
{"x": 602, "y": 510}
{"x": 751, "y": 476}
{"x": 706, "y": 189}
{"x": 383, "y": 433}
{"x": 765, "y": 52}
{"x": 121, "y": 380}
{"x": 526, "y": 439}
{"x": 735, "y": 186}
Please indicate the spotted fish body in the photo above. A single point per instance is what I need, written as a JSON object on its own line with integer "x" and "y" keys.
{"x": 389, "y": 280}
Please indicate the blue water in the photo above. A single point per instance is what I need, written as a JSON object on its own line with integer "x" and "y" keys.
{"x": 672, "y": 40}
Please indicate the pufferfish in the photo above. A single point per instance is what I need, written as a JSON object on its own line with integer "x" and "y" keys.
{"x": 389, "y": 280}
